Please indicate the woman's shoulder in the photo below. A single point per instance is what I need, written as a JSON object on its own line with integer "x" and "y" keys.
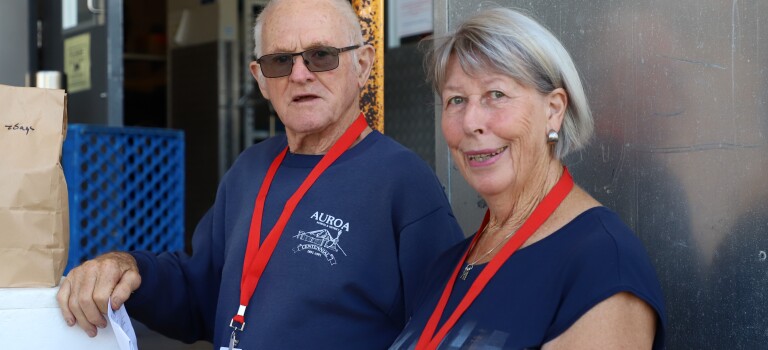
{"x": 600, "y": 233}
{"x": 604, "y": 258}
{"x": 606, "y": 230}
{"x": 596, "y": 224}
{"x": 605, "y": 248}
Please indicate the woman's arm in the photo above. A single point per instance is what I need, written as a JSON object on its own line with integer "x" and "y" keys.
{"x": 622, "y": 321}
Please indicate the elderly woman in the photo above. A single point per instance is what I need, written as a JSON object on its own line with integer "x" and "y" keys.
{"x": 549, "y": 267}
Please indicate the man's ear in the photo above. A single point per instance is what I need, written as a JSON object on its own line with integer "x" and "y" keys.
{"x": 558, "y": 103}
{"x": 262, "y": 82}
{"x": 365, "y": 57}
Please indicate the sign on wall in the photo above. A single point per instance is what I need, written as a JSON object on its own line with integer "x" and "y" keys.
{"x": 77, "y": 62}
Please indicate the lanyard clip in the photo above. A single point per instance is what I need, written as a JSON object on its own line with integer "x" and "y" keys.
{"x": 237, "y": 326}
{"x": 238, "y": 322}
{"x": 233, "y": 340}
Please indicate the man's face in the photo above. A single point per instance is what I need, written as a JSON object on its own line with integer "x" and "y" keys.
{"x": 310, "y": 102}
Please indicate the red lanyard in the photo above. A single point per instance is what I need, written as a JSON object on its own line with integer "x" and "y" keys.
{"x": 542, "y": 212}
{"x": 256, "y": 258}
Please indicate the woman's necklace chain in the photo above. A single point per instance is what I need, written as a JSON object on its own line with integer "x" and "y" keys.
{"x": 471, "y": 265}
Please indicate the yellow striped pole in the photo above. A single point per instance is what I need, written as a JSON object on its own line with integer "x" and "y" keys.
{"x": 371, "y": 13}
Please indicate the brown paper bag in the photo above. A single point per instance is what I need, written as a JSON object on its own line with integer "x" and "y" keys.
{"x": 34, "y": 212}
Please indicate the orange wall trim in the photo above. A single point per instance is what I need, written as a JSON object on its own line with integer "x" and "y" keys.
{"x": 371, "y": 13}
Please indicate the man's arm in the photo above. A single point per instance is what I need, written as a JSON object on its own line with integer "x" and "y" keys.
{"x": 178, "y": 295}
{"x": 421, "y": 243}
{"x": 178, "y": 292}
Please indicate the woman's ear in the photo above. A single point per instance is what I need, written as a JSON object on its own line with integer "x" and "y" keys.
{"x": 365, "y": 56}
{"x": 557, "y": 103}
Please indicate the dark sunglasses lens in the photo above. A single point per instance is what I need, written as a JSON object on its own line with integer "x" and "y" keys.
{"x": 276, "y": 65}
{"x": 322, "y": 59}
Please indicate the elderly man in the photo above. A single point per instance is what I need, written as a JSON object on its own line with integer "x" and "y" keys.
{"x": 317, "y": 239}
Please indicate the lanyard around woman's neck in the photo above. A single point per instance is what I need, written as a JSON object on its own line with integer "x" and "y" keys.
{"x": 428, "y": 339}
{"x": 256, "y": 258}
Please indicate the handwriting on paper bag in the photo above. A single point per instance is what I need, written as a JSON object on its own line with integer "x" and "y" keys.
{"x": 18, "y": 127}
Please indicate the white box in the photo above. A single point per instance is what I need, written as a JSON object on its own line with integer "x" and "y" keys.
{"x": 30, "y": 319}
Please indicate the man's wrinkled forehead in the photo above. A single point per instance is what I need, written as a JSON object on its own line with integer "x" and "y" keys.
{"x": 293, "y": 26}
{"x": 283, "y": 46}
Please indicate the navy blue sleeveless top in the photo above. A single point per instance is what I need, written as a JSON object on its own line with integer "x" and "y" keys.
{"x": 543, "y": 288}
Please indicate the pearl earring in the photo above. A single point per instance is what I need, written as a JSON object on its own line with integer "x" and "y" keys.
{"x": 552, "y": 137}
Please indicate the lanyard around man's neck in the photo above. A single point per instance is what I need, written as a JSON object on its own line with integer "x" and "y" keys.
{"x": 256, "y": 258}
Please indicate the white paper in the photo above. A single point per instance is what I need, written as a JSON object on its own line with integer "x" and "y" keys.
{"x": 121, "y": 325}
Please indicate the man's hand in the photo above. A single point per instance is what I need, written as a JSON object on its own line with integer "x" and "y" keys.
{"x": 85, "y": 292}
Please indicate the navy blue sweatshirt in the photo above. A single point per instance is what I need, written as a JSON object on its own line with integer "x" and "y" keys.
{"x": 344, "y": 273}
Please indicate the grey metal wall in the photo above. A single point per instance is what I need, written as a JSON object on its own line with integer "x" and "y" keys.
{"x": 15, "y": 40}
{"x": 409, "y": 111}
{"x": 678, "y": 89}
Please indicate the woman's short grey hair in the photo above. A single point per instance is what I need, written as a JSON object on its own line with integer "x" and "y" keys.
{"x": 508, "y": 42}
{"x": 343, "y": 6}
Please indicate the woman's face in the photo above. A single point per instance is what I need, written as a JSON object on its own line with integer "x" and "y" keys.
{"x": 496, "y": 128}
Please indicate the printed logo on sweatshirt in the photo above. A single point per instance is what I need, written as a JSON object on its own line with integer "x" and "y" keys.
{"x": 323, "y": 242}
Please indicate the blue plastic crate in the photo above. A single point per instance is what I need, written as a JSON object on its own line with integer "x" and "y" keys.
{"x": 126, "y": 190}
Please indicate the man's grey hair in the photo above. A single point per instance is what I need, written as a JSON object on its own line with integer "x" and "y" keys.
{"x": 511, "y": 43}
{"x": 343, "y": 6}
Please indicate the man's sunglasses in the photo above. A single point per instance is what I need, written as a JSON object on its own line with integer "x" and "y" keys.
{"x": 318, "y": 59}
